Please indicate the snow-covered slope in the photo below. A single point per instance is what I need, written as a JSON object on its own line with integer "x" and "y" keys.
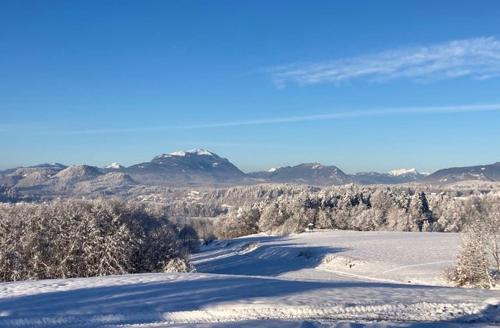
{"x": 318, "y": 279}
{"x": 76, "y": 173}
{"x": 387, "y": 256}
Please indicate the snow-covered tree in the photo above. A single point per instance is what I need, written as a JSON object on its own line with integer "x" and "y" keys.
{"x": 478, "y": 262}
{"x": 83, "y": 238}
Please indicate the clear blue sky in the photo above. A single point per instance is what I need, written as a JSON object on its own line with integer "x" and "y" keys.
{"x": 263, "y": 83}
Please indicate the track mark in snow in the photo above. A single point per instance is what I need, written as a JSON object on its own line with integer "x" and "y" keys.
{"x": 361, "y": 277}
{"x": 415, "y": 266}
{"x": 398, "y": 312}
{"x": 422, "y": 312}
{"x": 247, "y": 248}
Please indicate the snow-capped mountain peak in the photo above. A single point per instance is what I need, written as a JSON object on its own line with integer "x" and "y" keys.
{"x": 114, "y": 166}
{"x": 272, "y": 169}
{"x": 197, "y": 151}
{"x": 176, "y": 153}
{"x": 200, "y": 152}
{"x": 400, "y": 172}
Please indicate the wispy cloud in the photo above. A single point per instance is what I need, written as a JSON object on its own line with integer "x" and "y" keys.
{"x": 352, "y": 114}
{"x": 338, "y": 115}
{"x": 476, "y": 58}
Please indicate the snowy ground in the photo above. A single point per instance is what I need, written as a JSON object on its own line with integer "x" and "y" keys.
{"x": 319, "y": 279}
{"x": 380, "y": 256}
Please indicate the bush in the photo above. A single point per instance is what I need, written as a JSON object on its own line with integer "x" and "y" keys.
{"x": 178, "y": 265}
{"x": 478, "y": 261}
{"x": 83, "y": 239}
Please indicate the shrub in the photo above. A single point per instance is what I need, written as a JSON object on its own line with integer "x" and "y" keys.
{"x": 178, "y": 265}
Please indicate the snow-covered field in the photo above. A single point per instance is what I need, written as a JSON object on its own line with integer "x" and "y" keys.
{"x": 318, "y": 279}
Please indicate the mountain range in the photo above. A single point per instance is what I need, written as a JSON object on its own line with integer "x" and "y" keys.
{"x": 201, "y": 167}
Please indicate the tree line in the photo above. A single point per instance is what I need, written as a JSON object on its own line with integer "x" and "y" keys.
{"x": 357, "y": 208}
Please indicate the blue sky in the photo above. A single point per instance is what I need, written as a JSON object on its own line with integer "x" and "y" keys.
{"x": 364, "y": 85}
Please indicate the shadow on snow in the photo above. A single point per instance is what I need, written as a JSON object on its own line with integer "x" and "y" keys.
{"x": 145, "y": 302}
{"x": 267, "y": 259}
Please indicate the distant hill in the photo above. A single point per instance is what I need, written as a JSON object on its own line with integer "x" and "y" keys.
{"x": 49, "y": 180}
{"x": 489, "y": 172}
{"x": 310, "y": 173}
